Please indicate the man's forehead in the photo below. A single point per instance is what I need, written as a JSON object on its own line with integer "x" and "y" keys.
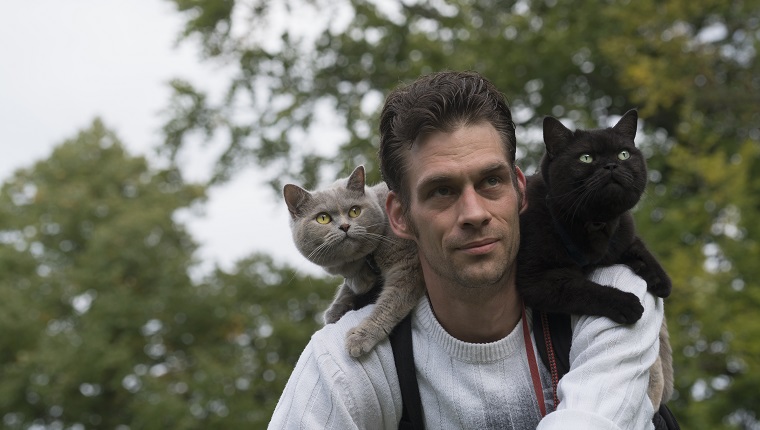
{"x": 488, "y": 167}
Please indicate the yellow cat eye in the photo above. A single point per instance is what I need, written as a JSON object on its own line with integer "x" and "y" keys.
{"x": 323, "y": 218}
{"x": 585, "y": 158}
{"x": 624, "y": 155}
{"x": 354, "y": 211}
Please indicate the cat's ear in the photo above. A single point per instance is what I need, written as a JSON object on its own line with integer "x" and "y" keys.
{"x": 555, "y": 134}
{"x": 295, "y": 197}
{"x": 627, "y": 124}
{"x": 356, "y": 180}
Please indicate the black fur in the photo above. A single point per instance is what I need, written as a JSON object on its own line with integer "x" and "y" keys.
{"x": 578, "y": 219}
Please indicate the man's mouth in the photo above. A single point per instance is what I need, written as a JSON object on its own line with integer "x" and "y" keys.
{"x": 479, "y": 247}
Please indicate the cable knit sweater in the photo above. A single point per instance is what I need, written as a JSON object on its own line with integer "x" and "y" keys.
{"x": 480, "y": 386}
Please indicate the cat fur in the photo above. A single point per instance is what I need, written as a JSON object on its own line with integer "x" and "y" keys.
{"x": 577, "y": 219}
{"x": 362, "y": 249}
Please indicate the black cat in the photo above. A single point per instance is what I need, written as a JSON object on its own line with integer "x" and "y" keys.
{"x": 578, "y": 219}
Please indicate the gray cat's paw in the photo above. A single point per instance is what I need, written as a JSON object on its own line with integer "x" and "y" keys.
{"x": 334, "y": 312}
{"x": 360, "y": 341}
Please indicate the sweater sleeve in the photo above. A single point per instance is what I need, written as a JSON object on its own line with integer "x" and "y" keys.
{"x": 329, "y": 389}
{"x": 606, "y": 387}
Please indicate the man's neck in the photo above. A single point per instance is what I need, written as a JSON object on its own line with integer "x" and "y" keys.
{"x": 477, "y": 315}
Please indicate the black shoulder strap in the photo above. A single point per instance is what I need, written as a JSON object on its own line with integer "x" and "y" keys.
{"x": 403, "y": 356}
{"x": 561, "y": 336}
{"x": 664, "y": 419}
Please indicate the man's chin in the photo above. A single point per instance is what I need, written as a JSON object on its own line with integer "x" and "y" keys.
{"x": 477, "y": 276}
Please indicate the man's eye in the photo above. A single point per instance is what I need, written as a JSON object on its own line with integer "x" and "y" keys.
{"x": 442, "y": 191}
{"x": 493, "y": 181}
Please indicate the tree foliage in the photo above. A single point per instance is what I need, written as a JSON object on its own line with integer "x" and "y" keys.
{"x": 690, "y": 67}
{"x": 104, "y": 328}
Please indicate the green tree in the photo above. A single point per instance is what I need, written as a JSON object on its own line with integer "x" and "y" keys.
{"x": 691, "y": 69}
{"x": 103, "y": 325}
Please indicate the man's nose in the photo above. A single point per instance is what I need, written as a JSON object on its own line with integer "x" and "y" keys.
{"x": 472, "y": 210}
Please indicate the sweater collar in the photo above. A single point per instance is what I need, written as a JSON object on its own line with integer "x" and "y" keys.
{"x": 464, "y": 351}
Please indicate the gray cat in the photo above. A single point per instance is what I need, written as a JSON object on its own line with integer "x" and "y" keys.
{"x": 344, "y": 229}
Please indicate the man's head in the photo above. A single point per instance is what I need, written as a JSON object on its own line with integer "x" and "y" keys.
{"x": 447, "y": 153}
{"x": 440, "y": 102}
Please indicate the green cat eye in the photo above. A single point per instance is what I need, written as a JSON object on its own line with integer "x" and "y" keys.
{"x": 624, "y": 155}
{"x": 354, "y": 211}
{"x": 585, "y": 158}
{"x": 323, "y": 218}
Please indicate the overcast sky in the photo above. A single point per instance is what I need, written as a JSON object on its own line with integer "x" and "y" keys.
{"x": 64, "y": 63}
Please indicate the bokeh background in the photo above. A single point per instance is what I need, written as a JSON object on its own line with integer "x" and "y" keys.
{"x": 147, "y": 276}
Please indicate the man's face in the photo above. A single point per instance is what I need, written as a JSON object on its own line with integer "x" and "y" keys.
{"x": 464, "y": 207}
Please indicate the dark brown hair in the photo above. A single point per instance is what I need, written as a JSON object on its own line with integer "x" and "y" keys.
{"x": 444, "y": 102}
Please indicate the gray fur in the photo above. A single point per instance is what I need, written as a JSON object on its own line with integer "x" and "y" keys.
{"x": 342, "y": 245}
{"x": 661, "y": 381}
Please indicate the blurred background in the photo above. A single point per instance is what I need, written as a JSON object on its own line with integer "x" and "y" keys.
{"x": 147, "y": 275}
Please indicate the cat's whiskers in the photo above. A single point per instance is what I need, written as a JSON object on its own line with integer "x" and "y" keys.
{"x": 571, "y": 196}
{"x": 382, "y": 238}
{"x": 322, "y": 250}
{"x": 587, "y": 189}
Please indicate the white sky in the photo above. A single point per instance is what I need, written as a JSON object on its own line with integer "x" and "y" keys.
{"x": 64, "y": 63}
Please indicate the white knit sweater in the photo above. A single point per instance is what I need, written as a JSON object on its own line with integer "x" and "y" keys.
{"x": 480, "y": 386}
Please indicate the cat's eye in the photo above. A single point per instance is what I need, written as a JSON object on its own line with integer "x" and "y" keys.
{"x": 354, "y": 211}
{"x": 624, "y": 155}
{"x": 323, "y": 218}
{"x": 586, "y": 158}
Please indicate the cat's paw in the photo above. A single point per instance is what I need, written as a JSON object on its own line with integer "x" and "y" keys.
{"x": 360, "y": 341}
{"x": 334, "y": 312}
{"x": 627, "y": 309}
{"x": 658, "y": 283}
{"x": 660, "y": 289}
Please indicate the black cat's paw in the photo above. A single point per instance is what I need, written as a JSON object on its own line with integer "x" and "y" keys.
{"x": 644, "y": 264}
{"x": 626, "y": 309}
{"x": 658, "y": 282}
{"x": 660, "y": 288}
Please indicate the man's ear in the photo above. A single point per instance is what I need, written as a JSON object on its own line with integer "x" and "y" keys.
{"x": 396, "y": 217}
{"x": 521, "y": 186}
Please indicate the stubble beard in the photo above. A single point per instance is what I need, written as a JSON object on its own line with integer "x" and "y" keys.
{"x": 468, "y": 277}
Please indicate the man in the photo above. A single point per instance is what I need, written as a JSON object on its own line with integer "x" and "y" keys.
{"x": 447, "y": 153}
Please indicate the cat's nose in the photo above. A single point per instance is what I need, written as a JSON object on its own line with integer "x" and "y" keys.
{"x": 345, "y": 227}
{"x": 611, "y": 166}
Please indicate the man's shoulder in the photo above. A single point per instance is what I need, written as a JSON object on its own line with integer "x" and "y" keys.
{"x": 621, "y": 277}
{"x": 338, "y": 388}
{"x": 370, "y": 378}
{"x": 331, "y": 339}
{"x": 338, "y": 329}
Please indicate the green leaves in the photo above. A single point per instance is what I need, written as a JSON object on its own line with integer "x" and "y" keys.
{"x": 107, "y": 328}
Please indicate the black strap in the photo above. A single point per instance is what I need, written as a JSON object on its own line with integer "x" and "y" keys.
{"x": 403, "y": 356}
{"x": 561, "y": 337}
{"x": 664, "y": 419}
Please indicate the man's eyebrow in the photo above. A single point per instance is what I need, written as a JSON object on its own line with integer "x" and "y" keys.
{"x": 443, "y": 178}
{"x": 434, "y": 180}
{"x": 497, "y": 167}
